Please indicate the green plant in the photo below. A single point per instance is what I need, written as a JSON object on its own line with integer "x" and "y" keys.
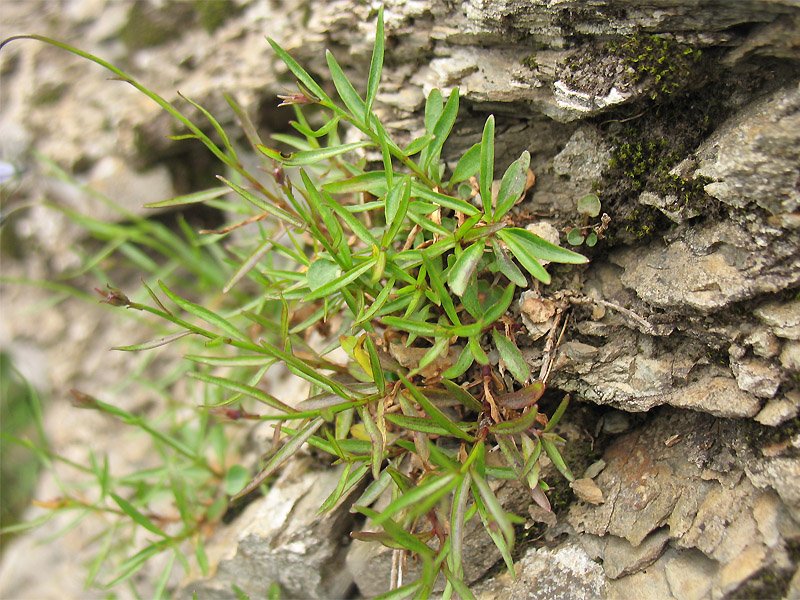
{"x": 589, "y": 207}
{"x": 412, "y": 274}
{"x": 662, "y": 64}
{"x": 193, "y": 461}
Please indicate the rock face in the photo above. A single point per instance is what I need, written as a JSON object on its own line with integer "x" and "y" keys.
{"x": 684, "y": 331}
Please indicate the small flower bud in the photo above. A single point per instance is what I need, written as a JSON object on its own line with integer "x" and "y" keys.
{"x": 113, "y": 297}
{"x": 81, "y": 400}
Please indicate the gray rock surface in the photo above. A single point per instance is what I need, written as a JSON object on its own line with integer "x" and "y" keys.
{"x": 280, "y": 539}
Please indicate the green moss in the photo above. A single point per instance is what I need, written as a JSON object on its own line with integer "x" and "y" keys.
{"x": 661, "y": 63}
{"x": 213, "y": 13}
{"x": 767, "y": 583}
{"x": 49, "y": 94}
{"x": 149, "y": 26}
{"x": 530, "y": 62}
{"x": 20, "y": 467}
{"x": 647, "y": 164}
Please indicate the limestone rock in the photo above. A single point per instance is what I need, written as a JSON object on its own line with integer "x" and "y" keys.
{"x": 783, "y": 318}
{"x": 754, "y": 156}
{"x": 689, "y": 574}
{"x": 563, "y": 573}
{"x": 790, "y": 356}
{"x": 757, "y": 376}
{"x": 281, "y": 539}
{"x": 708, "y": 268}
{"x": 780, "y": 410}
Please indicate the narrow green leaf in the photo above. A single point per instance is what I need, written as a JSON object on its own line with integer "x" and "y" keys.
{"x": 512, "y": 357}
{"x": 311, "y": 157}
{"x": 377, "y": 438}
{"x": 431, "y": 490}
{"x": 462, "y": 395}
{"x": 467, "y": 330}
{"x": 525, "y": 257}
{"x": 487, "y": 165}
{"x": 134, "y": 563}
{"x": 433, "y": 109}
{"x": 531, "y": 452}
{"x": 316, "y": 133}
{"x": 201, "y": 556}
{"x": 441, "y": 130}
{"x": 405, "y": 539}
{"x": 349, "y": 479}
{"x": 540, "y": 248}
{"x": 354, "y": 224}
{"x": 341, "y": 281}
{"x": 420, "y": 191}
{"x": 498, "y": 309}
{"x": 346, "y": 91}
{"x": 412, "y": 326}
{"x": 510, "y": 453}
{"x": 299, "y": 72}
{"x": 434, "y": 412}
{"x": 397, "y": 202}
{"x": 282, "y": 456}
{"x": 215, "y": 124}
{"x": 464, "y": 267}
{"x": 194, "y": 198}
{"x": 373, "y": 182}
{"x": 562, "y": 407}
{"x": 432, "y": 265}
{"x": 154, "y": 343}
{"x": 375, "y": 68}
{"x": 428, "y": 225}
{"x": 458, "y": 524}
{"x": 424, "y": 425}
{"x": 377, "y": 370}
{"x": 524, "y": 423}
{"x": 264, "y": 205}
{"x": 552, "y": 451}
{"x": 484, "y": 231}
{"x": 464, "y": 362}
{"x": 242, "y": 388}
{"x": 248, "y": 264}
{"x": 506, "y": 265}
{"x": 401, "y": 593}
{"x": 512, "y": 185}
{"x": 102, "y": 553}
{"x": 493, "y": 506}
{"x": 373, "y": 491}
{"x": 458, "y": 585}
{"x": 467, "y": 225}
{"x": 418, "y": 145}
{"x": 379, "y": 302}
{"x": 204, "y": 314}
{"x": 477, "y": 351}
{"x": 467, "y": 166}
{"x": 138, "y": 517}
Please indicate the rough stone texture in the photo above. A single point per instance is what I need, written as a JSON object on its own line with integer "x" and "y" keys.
{"x": 754, "y": 156}
{"x": 700, "y": 318}
{"x": 709, "y": 268}
{"x": 281, "y": 539}
{"x": 563, "y": 573}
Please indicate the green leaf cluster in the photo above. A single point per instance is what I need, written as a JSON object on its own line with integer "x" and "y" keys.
{"x": 390, "y": 260}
